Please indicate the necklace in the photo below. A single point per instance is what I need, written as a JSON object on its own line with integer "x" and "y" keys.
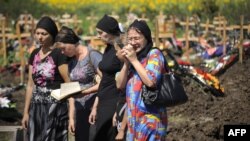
{"x": 44, "y": 53}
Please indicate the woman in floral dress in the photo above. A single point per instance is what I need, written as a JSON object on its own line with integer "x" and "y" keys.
{"x": 142, "y": 65}
{"x": 45, "y": 118}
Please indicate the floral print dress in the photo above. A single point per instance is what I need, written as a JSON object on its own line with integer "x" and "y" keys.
{"x": 145, "y": 123}
{"x": 47, "y": 117}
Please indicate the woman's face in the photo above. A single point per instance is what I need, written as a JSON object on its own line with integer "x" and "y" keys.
{"x": 67, "y": 49}
{"x": 107, "y": 38}
{"x": 43, "y": 38}
{"x": 136, "y": 39}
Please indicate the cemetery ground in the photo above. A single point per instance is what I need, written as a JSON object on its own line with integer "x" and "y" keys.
{"x": 202, "y": 118}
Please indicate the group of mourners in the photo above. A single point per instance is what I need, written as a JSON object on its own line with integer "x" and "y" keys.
{"x": 94, "y": 114}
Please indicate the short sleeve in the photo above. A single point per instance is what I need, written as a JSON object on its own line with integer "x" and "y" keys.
{"x": 32, "y": 55}
{"x": 61, "y": 58}
{"x": 95, "y": 58}
{"x": 155, "y": 65}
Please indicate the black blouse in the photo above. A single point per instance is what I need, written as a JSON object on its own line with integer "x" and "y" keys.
{"x": 109, "y": 66}
{"x": 45, "y": 71}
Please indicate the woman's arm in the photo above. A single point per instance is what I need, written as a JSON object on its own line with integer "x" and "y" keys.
{"x": 95, "y": 103}
{"x": 28, "y": 96}
{"x": 124, "y": 121}
{"x": 93, "y": 114}
{"x": 122, "y": 131}
{"x": 64, "y": 71}
{"x": 72, "y": 115}
{"x": 96, "y": 86}
{"x": 130, "y": 54}
{"x": 121, "y": 78}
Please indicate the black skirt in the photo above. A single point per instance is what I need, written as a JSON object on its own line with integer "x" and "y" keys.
{"x": 104, "y": 129}
{"x": 48, "y": 119}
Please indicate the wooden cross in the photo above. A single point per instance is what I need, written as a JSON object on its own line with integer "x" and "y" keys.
{"x": 114, "y": 15}
{"x": 241, "y": 38}
{"x": 21, "y": 53}
{"x": 157, "y": 41}
{"x": 219, "y": 23}
{"x": 170, "y": 26}
{"x": 76, "y": 21}
{"x": 66, "y": 19}
{"x": 27, "y": 21}
{"x": 66, "y": 16}
{"x": 130, "y": 18}
{"x": 3, "y": 22}
{"x": 194, "y": 19}
{"x": 187, "y": 38}
{"x": 174, "y": 27}
{"x": 143, "y": 17}
{"x": 187, "y": 24}
{"x": 207, "y": 27}
{"x": 161, "y": 22}
{"x": 70, "y": 21}
{"x": 224, "y": 38}
{"x": 92, "y": 19}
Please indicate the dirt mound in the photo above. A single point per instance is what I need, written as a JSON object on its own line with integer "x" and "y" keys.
{"x": 202, "y": 117}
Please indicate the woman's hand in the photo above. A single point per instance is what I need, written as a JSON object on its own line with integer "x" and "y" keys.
{"x": 114, "y": 120}
{"x": 120, "y": 135}
{"x": 129, "y": 52}
{"x": 120, "y": 56}
{"x": 92, "y": 116}
{"x": 71, "y": 126}
{"x": 25, "y": 120}
{"x": 86, "y": 92}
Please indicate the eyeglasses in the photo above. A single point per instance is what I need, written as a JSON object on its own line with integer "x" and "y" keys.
{"x": 136, "y": 39}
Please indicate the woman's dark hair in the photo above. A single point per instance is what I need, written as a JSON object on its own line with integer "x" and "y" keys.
{"x": 109, "y": 25}
{"x": 67, "y": 35}
{"x": 49, "y": 25}
{"x": 141, "y": 27}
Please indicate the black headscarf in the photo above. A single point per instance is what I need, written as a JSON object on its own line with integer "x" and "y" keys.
{"x": 49, "y": 25}
{"x": 109, "y": 25}
{"x": 67, "y": 35}
{"x": 145, "y": 30}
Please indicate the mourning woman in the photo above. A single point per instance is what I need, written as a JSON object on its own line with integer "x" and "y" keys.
{"x": 83, "y": 67}
{"x": 107, "y": 96}
{"x": 143, "y": 65}
{"x": 45, "y": 118}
